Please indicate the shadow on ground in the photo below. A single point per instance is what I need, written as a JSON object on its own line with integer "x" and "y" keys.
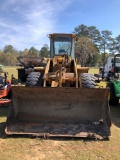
{"x": 3, "y": 115}
{"x": 2, "y": 130}
{"x": 115, "y": 115}
{"x": 3, "y": 111}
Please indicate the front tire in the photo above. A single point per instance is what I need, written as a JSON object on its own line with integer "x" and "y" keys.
{"x": 87, "y": 80}
{"x": 34, "y": 79}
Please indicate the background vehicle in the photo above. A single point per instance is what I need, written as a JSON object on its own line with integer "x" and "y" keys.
{"x": 107, "y": 69}
{"x": 60, "y": 98}
{"x": 5, "y": 88}
{"x": 114, "y": 83}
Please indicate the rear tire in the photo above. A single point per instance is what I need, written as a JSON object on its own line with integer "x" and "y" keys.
{"x": 87, "y": 80}
{"x": 34, "y": 79}
{"x": 113, "y": 101}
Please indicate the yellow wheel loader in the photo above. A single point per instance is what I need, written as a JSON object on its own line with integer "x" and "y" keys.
{"x": 60, "y": 98}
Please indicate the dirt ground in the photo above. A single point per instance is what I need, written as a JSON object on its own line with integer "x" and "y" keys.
{"x": 27, "y": 148}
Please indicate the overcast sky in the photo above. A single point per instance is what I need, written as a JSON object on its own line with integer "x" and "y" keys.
{"x": 26, "y": 23}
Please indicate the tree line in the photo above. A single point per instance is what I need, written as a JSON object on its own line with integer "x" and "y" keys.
{"x": 8, "y": 56}
{"x": 92, "y": 48}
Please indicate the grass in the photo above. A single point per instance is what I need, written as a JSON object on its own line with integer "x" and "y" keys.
{"x": 11, "y": 70}
{"x": 26, "y": 148}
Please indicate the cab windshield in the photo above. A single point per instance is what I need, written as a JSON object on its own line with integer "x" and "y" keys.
{"x": 62, "y": 45}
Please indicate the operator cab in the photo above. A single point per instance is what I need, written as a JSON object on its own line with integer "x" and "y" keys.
{"x": 62, "y": 44}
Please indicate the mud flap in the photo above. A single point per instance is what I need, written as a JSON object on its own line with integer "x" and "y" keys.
{"x": 68, "y": 112}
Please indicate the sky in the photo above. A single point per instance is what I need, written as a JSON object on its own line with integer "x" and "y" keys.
{"x": 26, "y": 23}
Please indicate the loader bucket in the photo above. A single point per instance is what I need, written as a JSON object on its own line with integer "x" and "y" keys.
{"x": 66, "y": 112}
